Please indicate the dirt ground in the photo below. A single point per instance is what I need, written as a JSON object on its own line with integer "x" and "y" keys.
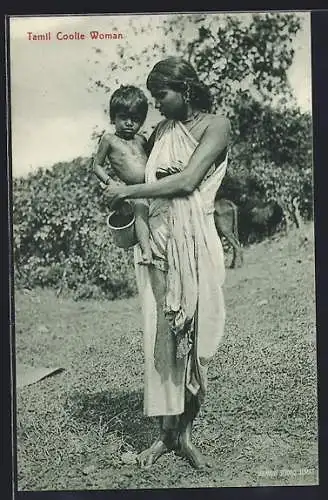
{"x": 81, "y": 428}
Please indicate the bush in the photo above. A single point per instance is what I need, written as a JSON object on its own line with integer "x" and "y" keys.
{"x": 60, "y": 235}
{"x": 270, "y": 162}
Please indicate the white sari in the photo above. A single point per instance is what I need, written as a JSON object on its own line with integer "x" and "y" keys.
{"x": 186, "y": 246}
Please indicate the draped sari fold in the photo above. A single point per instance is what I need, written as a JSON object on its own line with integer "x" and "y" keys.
{"x": 186, "y": 247}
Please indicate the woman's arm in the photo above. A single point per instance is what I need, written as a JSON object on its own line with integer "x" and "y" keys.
{"x": 213, "y": 143}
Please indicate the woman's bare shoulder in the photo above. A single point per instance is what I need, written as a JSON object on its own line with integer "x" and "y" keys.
{"x": 218, "y": 120}
{"x": 218, "y": 125}
{"x": 211, "y": 124}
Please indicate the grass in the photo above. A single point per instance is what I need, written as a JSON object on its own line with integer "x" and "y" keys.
{"x": 259, "y": 422}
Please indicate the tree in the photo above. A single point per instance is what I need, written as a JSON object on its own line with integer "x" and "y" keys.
{"x": 59, "y": 233}
{"x": 232, "y": 54}
{"x": 244, "y": 59}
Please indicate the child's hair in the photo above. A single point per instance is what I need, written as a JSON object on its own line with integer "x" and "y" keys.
{"x": 128, "y": 99}
{"x": 179, "y": 75}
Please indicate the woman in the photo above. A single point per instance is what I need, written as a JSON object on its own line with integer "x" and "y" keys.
{"x": 181, "y": 290}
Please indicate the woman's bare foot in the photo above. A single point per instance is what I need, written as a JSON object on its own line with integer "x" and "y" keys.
{"x": 149, "y": 456}
{"x": 189, "y": 451}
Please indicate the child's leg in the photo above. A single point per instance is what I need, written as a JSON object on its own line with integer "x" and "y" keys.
{"x": 142, "y": 230}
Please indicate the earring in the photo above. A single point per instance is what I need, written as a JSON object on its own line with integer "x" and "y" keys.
{"x": 187, "y": 94}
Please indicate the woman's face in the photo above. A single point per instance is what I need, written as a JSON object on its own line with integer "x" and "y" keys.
{"x": 169, "y": 103}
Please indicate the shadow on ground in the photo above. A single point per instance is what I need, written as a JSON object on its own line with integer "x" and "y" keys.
{"x": 116, "y": 411}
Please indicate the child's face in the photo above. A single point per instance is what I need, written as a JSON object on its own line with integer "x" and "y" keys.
{"x": 126, "y": 125}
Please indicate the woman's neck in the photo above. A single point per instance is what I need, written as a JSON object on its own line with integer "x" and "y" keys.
{"x": 191, "y": 114}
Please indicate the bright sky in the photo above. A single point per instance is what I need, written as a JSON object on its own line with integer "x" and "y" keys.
{"x": 54, "y": 114}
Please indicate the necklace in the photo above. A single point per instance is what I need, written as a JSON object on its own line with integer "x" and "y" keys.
{"x": 192, "y": 117}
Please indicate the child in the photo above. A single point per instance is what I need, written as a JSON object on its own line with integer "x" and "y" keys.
{"x": 126, "y": 152}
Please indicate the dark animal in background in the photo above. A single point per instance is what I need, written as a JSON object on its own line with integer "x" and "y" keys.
{"x": 226, "y": 223}
{"x": 261, "y": 220}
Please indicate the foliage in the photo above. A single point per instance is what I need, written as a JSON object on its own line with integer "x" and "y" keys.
{"x": 282, "y": 135}
{"x": 231, "y": 53}
{"x": 60, "y": 236}
{"x": 273, "y": 167}
{"x": 245, "y": 64}
{"x": 240, "y": 56}
{"x": 244, "y": 59}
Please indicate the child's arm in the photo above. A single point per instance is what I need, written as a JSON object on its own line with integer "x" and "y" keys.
{"x": 142, "y": 230}
{"x": 99, "y": 159}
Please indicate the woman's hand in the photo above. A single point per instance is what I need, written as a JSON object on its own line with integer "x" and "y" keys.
{"x": 116, "y": 194}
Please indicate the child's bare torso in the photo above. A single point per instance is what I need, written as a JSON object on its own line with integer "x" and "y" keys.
{"x": 127, "y": 158}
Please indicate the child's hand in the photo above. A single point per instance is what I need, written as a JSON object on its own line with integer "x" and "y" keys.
{"x": 115, "y": 192}
{"x": 168, "y": 169}
{"x": 146, "y": 258}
